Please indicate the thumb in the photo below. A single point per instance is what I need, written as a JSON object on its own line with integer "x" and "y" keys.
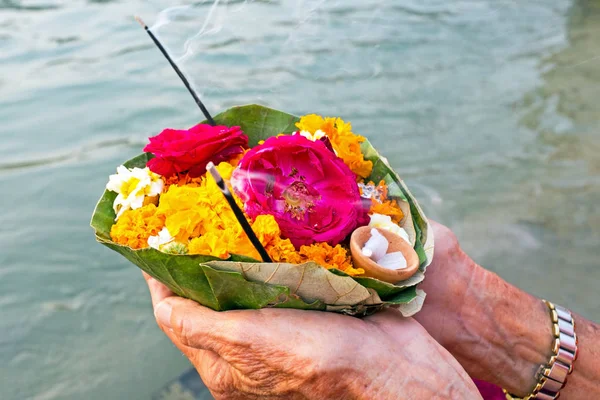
{"x": 199, "y": 327}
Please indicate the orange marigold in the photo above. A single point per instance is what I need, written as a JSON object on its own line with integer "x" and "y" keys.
{"x": 225, "y": 168}
{"x": 236, "y": 160}
{"x": 326, "y": 255}
{"x": 380, "y": 204}
{"x": 181, "y": 180}
{"x": 135, "y": 227}
{"x": 388, "y": 207}
{"x": 344, "y": 142}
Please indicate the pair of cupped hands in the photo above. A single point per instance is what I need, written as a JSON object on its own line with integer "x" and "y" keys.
{"x": 295, "y": 354}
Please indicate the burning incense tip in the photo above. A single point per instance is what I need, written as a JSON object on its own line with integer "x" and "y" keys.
{"x": 139, "y": 20}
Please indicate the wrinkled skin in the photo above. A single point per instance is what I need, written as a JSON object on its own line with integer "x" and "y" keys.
{"x": 295, "y": 354}
{"x": 449, "y": 282}
{"x": 498, "y": 333}
{"x": 479, "y": 318}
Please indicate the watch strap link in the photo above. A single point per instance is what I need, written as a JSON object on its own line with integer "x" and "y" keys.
{"x": 552, "y": 377}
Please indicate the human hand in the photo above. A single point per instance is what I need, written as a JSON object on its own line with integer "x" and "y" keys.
{"x": 497, "y": 332}
{"x": 450, "y": 282}
{"x": 295, "y": 354}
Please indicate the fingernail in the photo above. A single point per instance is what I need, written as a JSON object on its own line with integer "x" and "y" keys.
{"x": 163, "y": 314}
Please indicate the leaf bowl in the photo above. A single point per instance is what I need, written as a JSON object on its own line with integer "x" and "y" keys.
{"x": 243, "y": 283}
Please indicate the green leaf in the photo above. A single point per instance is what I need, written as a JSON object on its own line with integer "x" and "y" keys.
{"x": 404, "y": 296}
{"x": 189, "y": 276}
{"x": 258, "y": 122}
{"x": 243, "y": 283}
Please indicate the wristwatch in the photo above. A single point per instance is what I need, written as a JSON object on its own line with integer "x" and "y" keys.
{"x": 552, "y": 377}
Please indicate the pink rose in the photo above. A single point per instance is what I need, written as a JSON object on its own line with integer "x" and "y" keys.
{"x": 177, "y": 151}
{"x": 311, "y": 193}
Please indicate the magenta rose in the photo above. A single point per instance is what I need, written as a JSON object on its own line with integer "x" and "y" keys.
{"x": 311, "y": 193}
{"x": 177, "y": 151}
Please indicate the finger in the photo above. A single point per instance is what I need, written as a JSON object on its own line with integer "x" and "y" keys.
{"x": 158, "y": 291}
{"x": 194, "y": 354}
{"x": 205, "y": 361}
{"x": 211, "y": 367}
{"x": 389, "y": 318}
{"x": 202, "y": 328}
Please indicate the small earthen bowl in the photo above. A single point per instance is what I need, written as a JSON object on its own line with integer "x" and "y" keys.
{"x": 372, "y": 269}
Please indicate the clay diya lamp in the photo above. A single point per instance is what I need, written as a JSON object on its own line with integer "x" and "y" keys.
{"x": 373, "y": 270}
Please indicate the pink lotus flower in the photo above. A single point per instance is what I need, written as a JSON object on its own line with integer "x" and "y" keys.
{"x": 311, "y": 193}
{"x": 178, "y": 151}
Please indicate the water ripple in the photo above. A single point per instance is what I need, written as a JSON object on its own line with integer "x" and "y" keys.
{"x": 17, "y": 6}
{"x": 436, "y": 85}
{"x": 69, "y": 155}
{"x": 65, "y": 39}
{"x": 433, "y": 14}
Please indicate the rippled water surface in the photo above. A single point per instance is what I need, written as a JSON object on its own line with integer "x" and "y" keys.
{"x": 489, "y": 110}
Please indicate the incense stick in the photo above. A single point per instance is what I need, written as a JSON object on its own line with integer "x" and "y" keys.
{"x": 239, "y": 214}
{"x": 178, "y": 71}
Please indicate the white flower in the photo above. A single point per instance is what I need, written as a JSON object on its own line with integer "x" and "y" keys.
{"x": 313, "y": 136}
{"x": 161, "y": 239}
{"x": 166, "y": 243}
{"x": 132, "y": 186}
{"x": 385, "y": 222}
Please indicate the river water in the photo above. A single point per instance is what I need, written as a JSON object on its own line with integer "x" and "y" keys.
{"x": 489, "y": 110}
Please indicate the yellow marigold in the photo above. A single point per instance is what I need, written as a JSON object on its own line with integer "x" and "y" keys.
{"x": 266, "y": 228}
{"x": 231, "y": 239}
{"x": 282, "y": 250}
{"x": 354, "y": 271}
{"x": 310, "y": 123}
{"x": 221, "y": 234}
{"x": 211, "y": 243}
{"x": 193, "y": 210}
{"x": 200, "y": 214}
{"x": 135, "y": 227}
{"x": 345, "y": 143}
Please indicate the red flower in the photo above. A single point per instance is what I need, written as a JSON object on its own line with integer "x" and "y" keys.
{"x": 177, "y": 151}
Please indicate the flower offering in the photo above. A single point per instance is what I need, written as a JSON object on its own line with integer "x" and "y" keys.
{"x": 272, "y": 224}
